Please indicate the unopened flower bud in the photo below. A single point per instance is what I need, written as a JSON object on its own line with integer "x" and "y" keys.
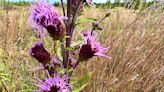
{"x": 40, "y": 53}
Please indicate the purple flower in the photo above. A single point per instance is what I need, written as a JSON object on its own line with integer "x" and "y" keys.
{"x": 43, "y": 15}
{"x": 40, "y": 53}
{"x": 54, "y": 84}
{"x": 90, "y": 47}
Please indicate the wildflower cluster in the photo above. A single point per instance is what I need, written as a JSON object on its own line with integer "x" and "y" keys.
{"x": 44, "y": 18}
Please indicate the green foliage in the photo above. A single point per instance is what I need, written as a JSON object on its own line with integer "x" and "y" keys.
{"x": 76, "y": 43}
{"x": 118, "y": 3}
{"x": 4, "y": 72}
{"x": 58, "y": 50}
{"x": 145, "y": 5}
{"x": 79, "y": 89}
{"x": 108, "y": 4}
{"x": 81, "y": 83}
{"x": 56, "y": 4}
{"x": 84, "y": 20}
{"x": 137, "y": 4}
{"x": 61, "y": 70}
{"x": 26, "y": 3}
{"x": 5, "y": 75}
{"x": 22, "y": 3}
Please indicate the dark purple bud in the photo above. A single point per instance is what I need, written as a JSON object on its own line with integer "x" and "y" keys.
{"x": 56, "y": 31}
{"x": 86, "y": 52}
{"x": 40, "y": 53}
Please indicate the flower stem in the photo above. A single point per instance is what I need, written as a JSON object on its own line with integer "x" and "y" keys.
{"x": 70, "y": 74}
{"x": 4, "y": 86}
{"x": 94, "y": 27}
{"x": 63, "y": 7}
{"x": 76, "y": 14}
{"x": 69, "y": 28}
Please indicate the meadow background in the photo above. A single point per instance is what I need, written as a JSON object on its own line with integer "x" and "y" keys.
{"x": 135, "y": 32}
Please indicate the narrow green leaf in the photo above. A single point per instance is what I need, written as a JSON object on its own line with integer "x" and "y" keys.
{"x": 80, "y": 88}
{"x": 68, "y": 48}
{"x": 82, "y": 80}
{"x": 88, "y": 20}
{"x": 59, "y": 50}
{"x": 77, "y": 43}
{"x": 61, "y": 70}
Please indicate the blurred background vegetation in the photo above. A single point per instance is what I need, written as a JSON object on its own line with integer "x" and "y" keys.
{"x": 136, "y": 4}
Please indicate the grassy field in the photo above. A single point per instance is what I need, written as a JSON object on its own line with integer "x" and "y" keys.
{"x": 137, "y": 50}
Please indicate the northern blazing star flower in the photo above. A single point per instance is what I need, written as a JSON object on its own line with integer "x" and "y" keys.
{"x": 40, "y": 53}
{"x": 54, "y": 84}
{"x": 90, "y": 47}
{"x": 43, "y": 15}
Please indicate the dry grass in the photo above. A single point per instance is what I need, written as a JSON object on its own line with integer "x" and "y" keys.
{"x": 137, "y": 50}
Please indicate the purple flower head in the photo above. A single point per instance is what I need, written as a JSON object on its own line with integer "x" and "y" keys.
{"x": 40, "y": 53}
{"x": 90, "y": 47}
{"x": 43, "y": 15}
{"x": 54, "y": 84}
